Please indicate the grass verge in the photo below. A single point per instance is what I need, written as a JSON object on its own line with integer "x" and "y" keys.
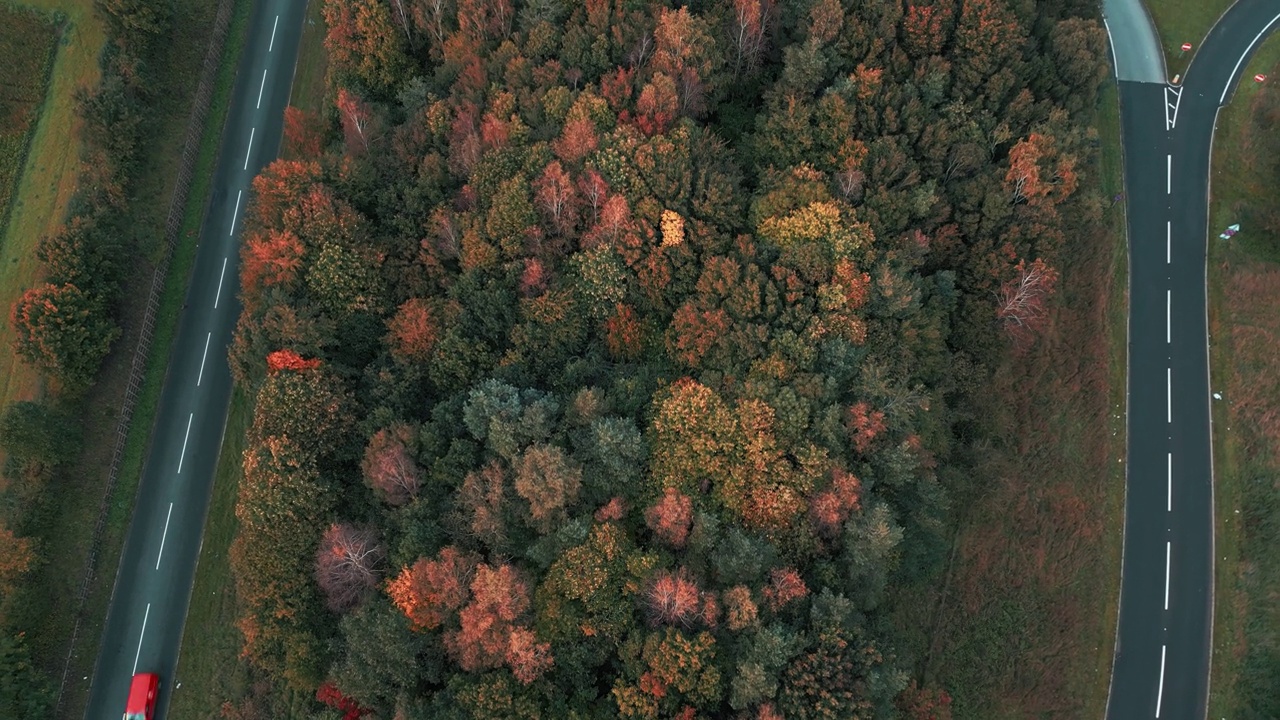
{"x": 209, "y": 664}
{"x": 1184, "y": 21}
{"x": 1024, "y": 623}
{"x": 72, "y": 509}
{"x": 1244, "y": 292}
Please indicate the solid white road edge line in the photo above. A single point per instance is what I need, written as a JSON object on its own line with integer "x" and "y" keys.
{"x": 1168, "y": 552}
{"x": 235, "y": 215}
{"x": 249, "y": 150}
{"x": 273, "y": 34}
{"x": 164, "y": 535}
{"x": 184, "y": 442}
{"x": 262, "y": 87}
{"x": 1168, "y": 391}
{"x": 1168, "y": 504}
{"x": 1168, "y": 178}
{"x": 218, "y": 297}
{"x": 140, "y": 636}
{"x": 207, "y": 338}
{"x": 1245, "y": 54}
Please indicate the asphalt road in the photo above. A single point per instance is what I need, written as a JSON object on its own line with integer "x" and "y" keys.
{"x": 153, "y": 582}
{"x": 1164, "y": 637}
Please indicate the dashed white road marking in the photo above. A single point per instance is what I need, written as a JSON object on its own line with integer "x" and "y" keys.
{"x": 184, "y": 442}
{"x": 1168, "y": 242}
{"x": 236, "y": 213}
{"x": 1168, "y": 504}
{"x": 273, "y": 34}
{"x": 1160, "y": 689}
{"x": 1168, "y": 391}
{"x": 1168, "y": 552}
{"x": 141, "y": 635}
{"x": 1168, "y": 182}
{"x": 207, "y": 338}
{"x": 218, "y": 297}
{"x": 249, "y": 150}
{"x": 164, "y": 535}
{"x": 1168, "y": 311}
{"x": 262, "y": 87}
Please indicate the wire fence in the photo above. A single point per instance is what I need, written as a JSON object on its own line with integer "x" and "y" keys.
{"x": 141, "y": 352}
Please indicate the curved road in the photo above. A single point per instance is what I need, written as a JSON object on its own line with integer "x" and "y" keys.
{"x": 153, "y": 582}
{"x": 1165, "y": 630}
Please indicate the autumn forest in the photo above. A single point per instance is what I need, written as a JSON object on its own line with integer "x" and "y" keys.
{"x": 619, "y": 358}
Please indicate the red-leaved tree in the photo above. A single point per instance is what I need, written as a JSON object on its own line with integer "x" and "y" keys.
{"x": 289, "y": 360}
{"x": 673, "y": 598}
{"x": 527, "y": 658}
{"x": 671, "y": 518}
{"x": 785, "y": 585}
{"x": 829, "y": 508}
{"x": 430, "y": 591}
{"x": 347, "y": 564}
{"x": 330, "y": 695}
{"x": 499, "y": 598}
{"x": 412, "y": 331}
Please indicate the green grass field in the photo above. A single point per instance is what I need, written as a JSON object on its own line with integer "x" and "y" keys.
{"x": 1244, "y": 292}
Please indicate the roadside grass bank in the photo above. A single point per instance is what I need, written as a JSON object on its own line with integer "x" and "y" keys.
{"x": 69, "y": 505}
{"x": 49, "y": 176}
{"x": 209, "y": 663}
{"x": 1022, "y": 623}
{"x": 1184, "y": 21}
{"x": 1244, "y": 324}
{"x": 28, "y": 41}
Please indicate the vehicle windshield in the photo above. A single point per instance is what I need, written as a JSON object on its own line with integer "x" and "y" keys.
{"x": 134, "y": 716}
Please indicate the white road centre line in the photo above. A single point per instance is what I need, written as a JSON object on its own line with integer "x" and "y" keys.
{"x": 1168, "y": 242}
{"x": 1168, "y": 503}
{"x": 1160, "y": 689}
{"x": 184, "y": 442}
{"x": 1168, "y": 181}
{"x": 218, "y": 297}
{"x": 262, "y": 87}
{"x": 145, "y": 615}
{"x": 207, "y": 338}
{"x": 1168, "y": 387}
{"x": 235, "y": 215}
{"x": 164, "y": 535}
{"x": 249, "y": 150}
{"x": 1231, "y": 78}
{"x": 1168, "y": 552}
{"x": 1168, "y": 312}
{"x": 273, "y": 34}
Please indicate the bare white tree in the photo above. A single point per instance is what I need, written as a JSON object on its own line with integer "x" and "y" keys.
{"x": 347, "y": 564}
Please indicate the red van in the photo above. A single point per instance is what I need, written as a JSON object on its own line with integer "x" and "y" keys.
{"x": 142, "y": 697}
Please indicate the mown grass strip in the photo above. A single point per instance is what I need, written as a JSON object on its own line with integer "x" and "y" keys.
{"x": 1247, "y": 578}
